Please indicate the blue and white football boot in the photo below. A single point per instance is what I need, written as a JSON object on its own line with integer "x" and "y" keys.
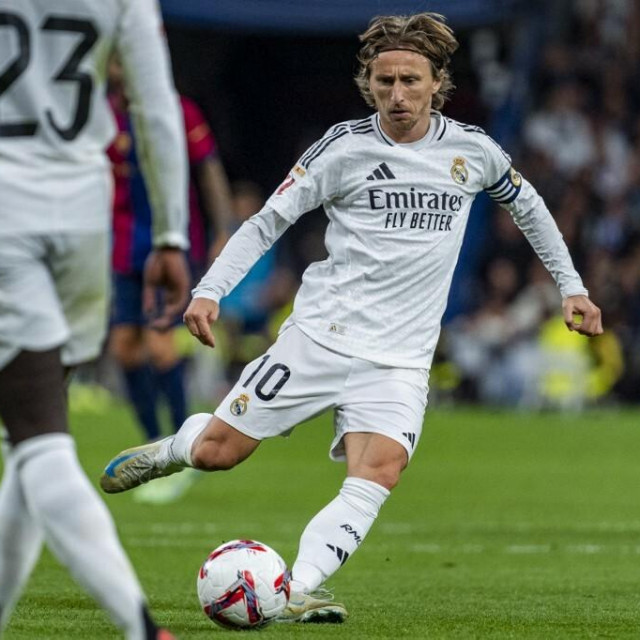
{"x": 135, "y": 466}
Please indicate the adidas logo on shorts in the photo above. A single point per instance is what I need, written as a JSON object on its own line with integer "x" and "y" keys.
{"x": 411, "y": 437}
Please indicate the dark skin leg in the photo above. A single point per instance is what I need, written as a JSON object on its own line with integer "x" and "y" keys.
{"x": 33, "y": 395}
{"x": 33, "y": 402}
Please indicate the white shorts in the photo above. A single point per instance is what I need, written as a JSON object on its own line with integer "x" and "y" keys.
{"x": 298, "y": 379}
{"x": 54, "y": 292}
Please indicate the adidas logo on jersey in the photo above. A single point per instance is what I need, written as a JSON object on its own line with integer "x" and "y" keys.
{"x": 381, "y": 172}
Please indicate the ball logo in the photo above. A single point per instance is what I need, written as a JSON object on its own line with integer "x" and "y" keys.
{"x": 459, "y": 171}
{"x": 239, "y": 405}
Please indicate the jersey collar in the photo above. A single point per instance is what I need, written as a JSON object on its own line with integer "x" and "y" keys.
{"x": 434, "y": 133}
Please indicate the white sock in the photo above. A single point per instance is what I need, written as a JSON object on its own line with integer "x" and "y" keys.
{"x": 78, "y": 528}
{"x": 336, "y": 532}
{"x": 20, "y": 539}
{"x": 177, "y": 449}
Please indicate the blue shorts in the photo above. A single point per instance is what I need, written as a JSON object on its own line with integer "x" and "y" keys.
{"x": 126, "y": 303}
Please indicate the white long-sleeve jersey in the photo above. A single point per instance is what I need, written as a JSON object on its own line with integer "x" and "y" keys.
{"x": 397, "y": 216}
{"x": 55, "y": 120}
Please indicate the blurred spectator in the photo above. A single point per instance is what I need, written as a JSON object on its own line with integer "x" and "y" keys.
{"x": 561, "y": 132}
{"x": 487, "y": 346}
{"x": 151, "y": 363}
{"x": 581, "y": 146}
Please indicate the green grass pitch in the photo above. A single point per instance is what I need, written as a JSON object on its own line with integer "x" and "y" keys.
{"x": 505, "y": 525}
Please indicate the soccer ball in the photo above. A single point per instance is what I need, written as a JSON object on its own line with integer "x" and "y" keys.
{"x": 243, "y": 584}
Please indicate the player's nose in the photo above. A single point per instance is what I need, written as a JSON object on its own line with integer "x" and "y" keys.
{"x": 397, "y": 93}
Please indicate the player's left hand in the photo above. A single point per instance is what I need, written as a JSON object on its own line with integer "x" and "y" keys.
{"x": 165, "y": 269}
{"x": 199, "y": 316}
{"x": 589, "y": 322}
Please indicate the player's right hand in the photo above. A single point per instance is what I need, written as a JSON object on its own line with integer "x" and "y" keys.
{"x": 581, "y": 315}
{"x": 199, "y": 316}
{"x": 166, "y": 271}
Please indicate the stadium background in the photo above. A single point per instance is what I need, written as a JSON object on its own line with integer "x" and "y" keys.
{"x": 508, "y": 524}
{"x": 552, "y": 82}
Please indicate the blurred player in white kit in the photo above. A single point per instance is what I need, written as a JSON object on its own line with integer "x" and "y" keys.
{"x": 397, "y": 188}
{"x": 55, "y": 219}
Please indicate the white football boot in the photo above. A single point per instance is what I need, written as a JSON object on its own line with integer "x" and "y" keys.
{"x": 316, "y": 607}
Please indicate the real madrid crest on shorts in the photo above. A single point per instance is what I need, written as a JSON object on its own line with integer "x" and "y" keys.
{"x": 459, "y": 171}
{"x": 239, "y": 405}
{"x": 516, "y": 178}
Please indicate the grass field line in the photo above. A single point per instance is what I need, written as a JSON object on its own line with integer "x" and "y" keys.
{"x": 429, "y": 548}
{"x": 412, "y": 528}
{"x": 527, "y": 549}
{"x": 391, "y": 528}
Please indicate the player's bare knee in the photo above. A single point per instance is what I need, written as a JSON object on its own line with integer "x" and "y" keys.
{"x": 128, "y": 352}
{"x": 161, "y": 349}
{"x": 386, "y": 475}
{"x": 164, "y": 361}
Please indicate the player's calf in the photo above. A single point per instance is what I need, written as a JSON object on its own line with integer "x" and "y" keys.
{"x": 220, "y": 447}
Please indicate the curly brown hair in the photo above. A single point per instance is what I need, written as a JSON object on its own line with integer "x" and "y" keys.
{"x": 423, "y": 33}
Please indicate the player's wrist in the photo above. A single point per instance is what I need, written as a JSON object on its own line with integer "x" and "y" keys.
{"x": 206, "y": 293}
{"x": 171, "y": 240}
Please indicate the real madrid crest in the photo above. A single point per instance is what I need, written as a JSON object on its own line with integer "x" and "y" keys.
{"x": 516, "y": 178}
{"x": 239, "y": 405}
{"x": 459, "y": 171}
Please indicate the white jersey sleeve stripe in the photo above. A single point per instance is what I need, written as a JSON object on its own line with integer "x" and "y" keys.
{"x": 470, "y": 128}
{"x": 362, "y": 125}
{"x": 316, "y": 149}
{"x": 320, "y": 150}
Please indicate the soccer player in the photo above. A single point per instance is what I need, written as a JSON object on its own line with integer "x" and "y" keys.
{"x": 55, "y": 214}
{"x": 397, "y": 188}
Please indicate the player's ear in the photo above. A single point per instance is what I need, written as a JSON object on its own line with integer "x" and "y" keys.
{"x": 437, "y": 83}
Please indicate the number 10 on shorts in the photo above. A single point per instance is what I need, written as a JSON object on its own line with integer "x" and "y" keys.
{"x": 278, "y": 371}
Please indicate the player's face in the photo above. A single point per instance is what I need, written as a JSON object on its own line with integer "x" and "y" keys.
{"x": 403, "y": 86}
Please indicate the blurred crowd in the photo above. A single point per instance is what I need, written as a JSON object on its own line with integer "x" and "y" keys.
{"x": 580, "y": 147}
{"x": 504, "y": 341}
